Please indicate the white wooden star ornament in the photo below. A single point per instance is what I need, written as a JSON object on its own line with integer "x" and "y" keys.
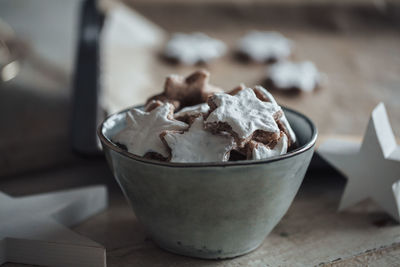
{"x": 33, "y": 229}
{"x": 372, "y": 168}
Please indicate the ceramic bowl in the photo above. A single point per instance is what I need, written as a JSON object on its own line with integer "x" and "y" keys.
{"x": 210, "y": 210}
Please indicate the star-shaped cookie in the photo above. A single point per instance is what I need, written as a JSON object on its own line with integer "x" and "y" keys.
{"x": 262, "y": 47}
{"x": 142, "y": 132}
{"x": 244, "y": 116}
{"x": 256, "y": 150}
{"x": 197, "y": 144}
{"x": 266, "y": 96}
{"x": 189, "y": 91}
{"x": 282, "y": 122}
{"x": 188, "y": 114}
{"x": 293, "y": 76}
{"x": 191, "y": 49}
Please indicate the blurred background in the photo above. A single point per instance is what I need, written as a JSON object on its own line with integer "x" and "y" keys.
{"x": 354, "y": 43}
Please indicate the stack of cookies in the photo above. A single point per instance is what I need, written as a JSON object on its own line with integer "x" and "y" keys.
{"x": 193, "y": 121}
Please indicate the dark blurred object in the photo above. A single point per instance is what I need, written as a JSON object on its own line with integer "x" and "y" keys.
{"x": 86, "y": 113}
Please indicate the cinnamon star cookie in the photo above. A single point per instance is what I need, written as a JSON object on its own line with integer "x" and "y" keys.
{"x": 263, "y": 47}
{"x": 188, "y": 114}
{"x": 244, "y": 116}
{"x": 191, "y": 49}
{"x": 258, "y": 150}
{"x": 142, "y": 132}
{"x": 300, "y": 76}
{"x": 197, "y": 144}
{"x": 182, "y": 92}
{"x": 282, "y": 122}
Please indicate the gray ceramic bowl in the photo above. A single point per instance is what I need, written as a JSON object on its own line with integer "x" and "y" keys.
{"x": 210, "y": 210}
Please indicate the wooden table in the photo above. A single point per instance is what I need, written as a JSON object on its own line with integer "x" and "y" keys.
{"x": 359, "y": 51}
{"x": 311, "y": 233}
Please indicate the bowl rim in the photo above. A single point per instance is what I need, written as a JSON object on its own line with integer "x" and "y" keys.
{"x": 310, "y": 144}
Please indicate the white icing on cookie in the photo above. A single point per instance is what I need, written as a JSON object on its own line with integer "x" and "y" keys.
{"x": 261, "y": 151}
{"x": 264, "y": 46}
{"x": 244, "y": 112}
{"x": 264, "y": 92}
{"x": 289, "y": 129}
{"x": 153, "y": 104}
{"x": 287, "y": 75}
{"x": 283, "y": 118}
{"x": 198, "y": 145}
{"x": 143, "y": 129}
{"x": 193, "y": 110}
{"x": 194, "y": 48}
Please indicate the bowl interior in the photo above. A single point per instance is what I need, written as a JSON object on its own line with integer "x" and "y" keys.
{"x": 305, "y": 130}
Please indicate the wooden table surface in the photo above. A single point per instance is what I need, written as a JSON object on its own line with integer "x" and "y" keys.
{"x": 360, "y": 54}
{"x": 311, "y": 233}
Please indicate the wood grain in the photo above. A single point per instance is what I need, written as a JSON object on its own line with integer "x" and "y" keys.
{"x": 311, "y": 233}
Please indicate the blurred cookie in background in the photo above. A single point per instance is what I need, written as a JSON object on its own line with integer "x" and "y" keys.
{"x": 263, "y": 47}
{"x": 293, "y": 77}
{"x": 193, "y": 48}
